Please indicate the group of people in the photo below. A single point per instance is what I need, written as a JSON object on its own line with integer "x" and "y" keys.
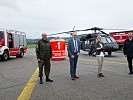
{"x": 44, "y": 54}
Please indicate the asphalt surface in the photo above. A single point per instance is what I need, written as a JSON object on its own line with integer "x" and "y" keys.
{"x": 116, "y": 85}
{"x": 14, "y": 74}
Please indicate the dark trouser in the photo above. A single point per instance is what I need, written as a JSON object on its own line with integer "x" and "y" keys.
{"x": 73, "y": 65}
{"x": 129, "y": 59}
{"x": 46, "y": 64}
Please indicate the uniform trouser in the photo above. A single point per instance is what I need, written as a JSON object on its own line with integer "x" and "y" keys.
{"x": 129, "y": 59}
{"x": 100, "y": 63}
{"x": 46, "y": 65}
{"x": 73, "y": 65}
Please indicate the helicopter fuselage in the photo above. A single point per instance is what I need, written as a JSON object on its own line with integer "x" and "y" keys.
{"x": 88, "y": 43}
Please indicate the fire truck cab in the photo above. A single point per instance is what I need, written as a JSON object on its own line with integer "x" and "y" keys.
{"x": 12, "y": 43}
{"x": 120, "y": 37}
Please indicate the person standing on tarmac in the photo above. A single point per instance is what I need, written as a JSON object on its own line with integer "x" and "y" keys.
{"x": 128, "y": 51}
{"x": 73, "y": 49}
{"x": 44, "y": 54}
{"x": 99, "y": 56}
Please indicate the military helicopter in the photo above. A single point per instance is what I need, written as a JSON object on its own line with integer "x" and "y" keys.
{"x": 88, "y": 41}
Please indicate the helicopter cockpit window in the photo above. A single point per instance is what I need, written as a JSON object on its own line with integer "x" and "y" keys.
{"x": 109, "y": 40}
{"x": 1, "y": 34}
{"x": 112, "y": 39}
{"x": 104, "y": 40}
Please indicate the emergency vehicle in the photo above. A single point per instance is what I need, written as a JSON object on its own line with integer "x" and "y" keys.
{"x": 12, "y": 43}
{"x": 120, "y": 37}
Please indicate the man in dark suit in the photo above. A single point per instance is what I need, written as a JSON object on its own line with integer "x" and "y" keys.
{"x": 73, "y": 49}
{"x": 128, "y": 51}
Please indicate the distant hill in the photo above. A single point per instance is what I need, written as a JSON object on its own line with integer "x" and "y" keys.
{"x": 34, "y": 41}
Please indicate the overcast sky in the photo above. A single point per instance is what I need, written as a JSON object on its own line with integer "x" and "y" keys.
{"x": 53, "y": 16}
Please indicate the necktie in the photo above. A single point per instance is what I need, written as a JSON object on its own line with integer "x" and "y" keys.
{"x": 75, "y": 46}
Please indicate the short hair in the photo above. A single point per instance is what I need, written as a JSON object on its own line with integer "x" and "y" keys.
{"x": 44, "y": 33}
{"x": 98, "y": 36}
{"x": 74, "y": 33}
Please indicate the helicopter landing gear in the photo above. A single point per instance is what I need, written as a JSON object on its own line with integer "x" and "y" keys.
{"x": 109, "y": 53}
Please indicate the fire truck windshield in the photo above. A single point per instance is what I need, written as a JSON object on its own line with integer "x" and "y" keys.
{"x": 1, "y": 34}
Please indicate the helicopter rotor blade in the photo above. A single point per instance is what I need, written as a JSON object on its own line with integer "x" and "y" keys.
{"x": 93, "y": 28}
{"x": 104, "y": 32}
{"x": 113, "y": 29}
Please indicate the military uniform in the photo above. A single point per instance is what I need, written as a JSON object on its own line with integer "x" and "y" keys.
{"x": 44, "y": 53}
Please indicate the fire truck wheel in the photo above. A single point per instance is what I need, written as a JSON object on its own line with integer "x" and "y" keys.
{"x": 5, "y": 56}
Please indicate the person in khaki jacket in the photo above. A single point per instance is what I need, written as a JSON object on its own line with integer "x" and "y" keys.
{"x": 44, "y": 54}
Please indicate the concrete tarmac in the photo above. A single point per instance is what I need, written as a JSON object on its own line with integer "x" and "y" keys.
{"x": 116, "y": 85}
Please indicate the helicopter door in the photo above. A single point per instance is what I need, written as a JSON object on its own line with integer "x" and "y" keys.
{"x": 92, "y": 47}
{"x": 87, "y": 45}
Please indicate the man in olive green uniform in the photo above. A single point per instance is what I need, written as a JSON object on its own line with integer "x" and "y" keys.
{"x": 44, "y": 54}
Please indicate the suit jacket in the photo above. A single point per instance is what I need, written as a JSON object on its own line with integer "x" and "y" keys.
{"x": 70, "y": 47}
{"x": 98, "y": 46}
{"x": 128, "y": 48}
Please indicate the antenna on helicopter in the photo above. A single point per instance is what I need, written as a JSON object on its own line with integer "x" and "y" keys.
{"x": 72, "y": 30}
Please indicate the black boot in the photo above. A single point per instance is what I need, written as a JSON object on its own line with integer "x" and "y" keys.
{"x": 48, "y": 79}
{"x": 41, "y": 82}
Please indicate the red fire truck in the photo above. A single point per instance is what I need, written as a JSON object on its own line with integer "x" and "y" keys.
{"x": 120, "y": 37}
{"x": 12, "y": 43}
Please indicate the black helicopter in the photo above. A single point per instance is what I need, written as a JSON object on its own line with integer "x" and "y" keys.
{"x": 88, "y": 41}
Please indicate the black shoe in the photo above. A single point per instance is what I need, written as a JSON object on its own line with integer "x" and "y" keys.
{"x": 130, "y": 73}
{"x": 76, "y": 77}
{"x": 100, "y": 75}
{"x": 41, "y": 82}
{"x": 49, "y": 80}
{"x": 72, "y": 78}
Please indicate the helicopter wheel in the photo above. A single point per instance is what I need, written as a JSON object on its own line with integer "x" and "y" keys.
{"x": 109, "y": 53}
